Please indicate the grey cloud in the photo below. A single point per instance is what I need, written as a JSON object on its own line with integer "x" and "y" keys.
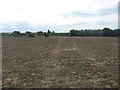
{"x": 107, "y": 11}
{"x": 111, "y": 24}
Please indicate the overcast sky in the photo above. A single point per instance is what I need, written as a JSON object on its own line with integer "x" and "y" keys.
{"x": 57, "y": 15}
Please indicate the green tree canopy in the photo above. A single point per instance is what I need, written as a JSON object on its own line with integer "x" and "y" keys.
{"x": 16, "y": 33}
{"x": 40, "y": 33}
{"x": 29, "y": 34}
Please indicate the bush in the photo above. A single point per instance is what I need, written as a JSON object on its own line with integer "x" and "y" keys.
{"x": 29, "y": 34}
{"x": 16, "y": 33}
{"x": 46, "y": 34}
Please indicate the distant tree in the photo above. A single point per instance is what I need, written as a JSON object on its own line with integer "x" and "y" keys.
{"x": 73, "y": 32}
{"x": 46, "y": 34}
{"x": 0, "y": 34}
{"x": 6, "y": 34}
{"x": 29, "y": 34}
{"x": 86, "y": 32}
{"x": 106, "y": 32}
{"x": 49, "y": 31}
{"x": 53, "y": 32}
{"x": 67, "y": 34}
{"x": 81, "y": 33}
{"x": 23, "y": 34}
{"x": 117, "y": 32}
{"x": 35, "y": 34}
{"x": 40, "y": 33}
{"x": 16, "y": 33}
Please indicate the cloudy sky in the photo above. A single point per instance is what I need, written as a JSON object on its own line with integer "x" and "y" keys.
{"x": 57, "y": 15}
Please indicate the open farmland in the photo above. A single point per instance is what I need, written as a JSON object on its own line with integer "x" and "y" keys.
{"x": 55, "y": 62}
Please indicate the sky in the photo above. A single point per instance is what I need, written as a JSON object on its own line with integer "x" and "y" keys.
{"x": 57, "y": 15}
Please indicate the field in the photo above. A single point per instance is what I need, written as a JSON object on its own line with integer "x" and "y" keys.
{"x": 60, "y": 62}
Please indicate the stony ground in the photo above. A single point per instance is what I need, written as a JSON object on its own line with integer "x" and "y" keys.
{"x": 55, "y": 62}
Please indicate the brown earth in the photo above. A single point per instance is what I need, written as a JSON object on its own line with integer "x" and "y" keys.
{"x": 55, "y": 62}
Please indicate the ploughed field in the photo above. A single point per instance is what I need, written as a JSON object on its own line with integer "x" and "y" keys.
{"x": 60, "y": 62}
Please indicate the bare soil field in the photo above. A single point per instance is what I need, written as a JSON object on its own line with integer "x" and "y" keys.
{"x": 60, "y": 62}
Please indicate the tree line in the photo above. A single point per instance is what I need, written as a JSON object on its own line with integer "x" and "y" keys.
{"x": 31, "y": 34}
{"x": 105, "y": 32}
{"x": 99, "y": 32}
